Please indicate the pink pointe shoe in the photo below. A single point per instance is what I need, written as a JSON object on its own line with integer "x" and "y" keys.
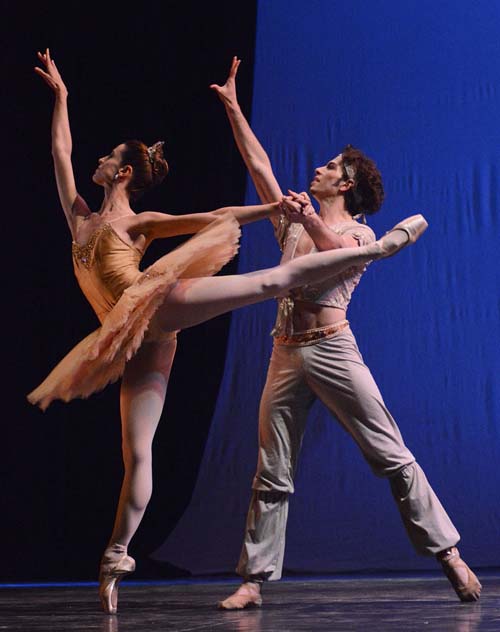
{"x": 247, "y": 596}
{"x": 451, "y": 563}
{"x": 112, "y": 570}
{"x": 391, "y": 243}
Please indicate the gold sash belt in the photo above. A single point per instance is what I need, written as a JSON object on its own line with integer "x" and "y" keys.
{"x": 310, "y": 336}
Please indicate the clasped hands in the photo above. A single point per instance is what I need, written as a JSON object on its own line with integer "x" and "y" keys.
{"x": 297, "y": 207}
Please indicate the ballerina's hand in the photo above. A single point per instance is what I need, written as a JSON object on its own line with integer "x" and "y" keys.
{"x": 227, "y": 92}
{"x": 51, "y": 75}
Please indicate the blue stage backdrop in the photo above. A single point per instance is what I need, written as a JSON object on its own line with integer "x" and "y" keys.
{"x": 416, "y": 85}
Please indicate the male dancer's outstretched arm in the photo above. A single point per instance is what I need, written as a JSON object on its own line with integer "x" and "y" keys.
{"x": 252, "y": 152}
{"x": 261, "y": 172}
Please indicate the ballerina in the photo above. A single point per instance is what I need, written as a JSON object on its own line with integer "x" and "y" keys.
{"x": 141, "y": 311}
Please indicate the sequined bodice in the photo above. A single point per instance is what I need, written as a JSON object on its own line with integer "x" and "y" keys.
{"x": 104, "y": 267}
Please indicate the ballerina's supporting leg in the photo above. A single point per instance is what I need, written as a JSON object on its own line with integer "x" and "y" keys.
{"x": 142, "y": 397}
{"x": 193, "y": 301}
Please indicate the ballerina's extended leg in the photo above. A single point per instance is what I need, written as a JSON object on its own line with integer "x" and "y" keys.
{"x": 194, "y": 301}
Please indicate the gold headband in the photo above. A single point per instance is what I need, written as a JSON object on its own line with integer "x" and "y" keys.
{"x": 349, "y": 169}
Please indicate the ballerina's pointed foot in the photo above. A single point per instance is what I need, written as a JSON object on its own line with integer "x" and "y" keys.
{"x": 110, "y": 575}
{"x": 404, "y": 233}
{"x": 247, "y": 596}
{"x": 464, "y": 581}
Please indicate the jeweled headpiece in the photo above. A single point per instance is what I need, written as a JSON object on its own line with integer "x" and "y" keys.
{"x": 152, "y": 151}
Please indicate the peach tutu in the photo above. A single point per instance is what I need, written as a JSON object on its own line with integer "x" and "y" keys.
{"x": 100, "y": 358}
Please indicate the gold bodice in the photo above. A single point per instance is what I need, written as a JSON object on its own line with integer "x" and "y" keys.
{"x": 104, "y": 267}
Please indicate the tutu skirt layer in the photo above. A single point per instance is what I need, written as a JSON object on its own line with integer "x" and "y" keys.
{"x": 100, "y": 358}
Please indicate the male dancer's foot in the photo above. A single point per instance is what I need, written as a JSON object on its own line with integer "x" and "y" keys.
{"x": 460, "y": 576}
{"x": 248, "y": 595}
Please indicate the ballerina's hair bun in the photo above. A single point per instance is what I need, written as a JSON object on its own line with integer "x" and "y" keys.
{"x": 148, "y": 164}
{"x": 159, "y": 166}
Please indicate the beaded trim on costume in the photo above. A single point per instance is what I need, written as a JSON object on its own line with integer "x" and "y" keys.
{"x": 84, "y": 253}
{"x": 310, "y": 336}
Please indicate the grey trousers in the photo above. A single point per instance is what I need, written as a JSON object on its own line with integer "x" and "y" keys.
{"x": 333, "y": 371}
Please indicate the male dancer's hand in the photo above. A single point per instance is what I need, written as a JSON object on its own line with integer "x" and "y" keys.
{"x": 304, "y": 200}
{"x": 227, "y": 92}
{"x": 297, "y": 207}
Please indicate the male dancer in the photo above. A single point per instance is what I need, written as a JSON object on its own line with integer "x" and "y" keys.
{"x": 315, "y": 355}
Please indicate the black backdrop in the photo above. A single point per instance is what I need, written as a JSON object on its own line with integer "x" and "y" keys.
{"x": 142, "y": 73}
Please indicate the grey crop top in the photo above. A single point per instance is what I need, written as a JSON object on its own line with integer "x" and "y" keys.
{"x": 334, "y": 292}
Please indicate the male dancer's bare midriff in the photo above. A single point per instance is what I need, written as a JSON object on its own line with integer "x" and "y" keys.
{"x": 307, "y": 315}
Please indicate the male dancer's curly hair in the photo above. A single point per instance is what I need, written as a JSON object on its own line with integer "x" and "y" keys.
{"x": 367, "y": 194}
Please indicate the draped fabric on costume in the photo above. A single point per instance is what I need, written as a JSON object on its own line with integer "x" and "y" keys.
{"x": 125, "y": 301}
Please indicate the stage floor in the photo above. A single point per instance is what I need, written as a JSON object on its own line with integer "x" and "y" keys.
{"x": 358, "y": 604}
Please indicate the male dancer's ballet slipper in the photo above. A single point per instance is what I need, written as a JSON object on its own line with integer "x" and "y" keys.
{"x": 451, "y": 562}
{"x": 111, "y": 572}
{"x": 247, "y": 596}
{"x": 391, "y": 242}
